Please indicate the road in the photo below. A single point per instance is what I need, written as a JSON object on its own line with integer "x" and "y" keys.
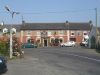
{"x": 56, "y": 61}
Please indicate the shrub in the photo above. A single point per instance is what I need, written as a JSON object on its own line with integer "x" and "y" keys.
{"x": 4, "y": 50}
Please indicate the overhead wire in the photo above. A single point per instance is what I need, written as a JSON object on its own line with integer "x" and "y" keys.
{"x": 57, "y": 12}
{"x": 54, "y": 12}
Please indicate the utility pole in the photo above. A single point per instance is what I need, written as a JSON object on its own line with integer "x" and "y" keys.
{"x": 96, "y": 18}
{"x": 68, "y": 33}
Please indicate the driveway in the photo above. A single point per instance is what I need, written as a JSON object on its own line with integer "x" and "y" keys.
{"x": 56, "y": 61}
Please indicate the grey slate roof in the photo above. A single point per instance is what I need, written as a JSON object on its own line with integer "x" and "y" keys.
{"x": 49, "y": 26}
{"x": 8, "y": 26}
{"x": 79, "y": 26}
{"x": 43, "y": 26}
{"x": 56, "y": 26}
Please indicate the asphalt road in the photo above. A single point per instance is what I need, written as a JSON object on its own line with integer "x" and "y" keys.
{"x": 56, "y": 61}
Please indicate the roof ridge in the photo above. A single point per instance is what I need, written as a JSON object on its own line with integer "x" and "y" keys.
{"x": 46, "y": 23}
{"x": 79, "y": 22}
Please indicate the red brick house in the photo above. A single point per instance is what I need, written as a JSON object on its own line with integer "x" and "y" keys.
{"x": 44, "y": 34}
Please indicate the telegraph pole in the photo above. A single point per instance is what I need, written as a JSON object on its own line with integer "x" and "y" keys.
{"x": 96, "y": 18}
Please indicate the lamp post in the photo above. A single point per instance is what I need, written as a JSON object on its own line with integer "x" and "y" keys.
{"x": 12, "y": 15}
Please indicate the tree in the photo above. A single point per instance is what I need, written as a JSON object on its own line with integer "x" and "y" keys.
{"x": 93, "y": 42}
{"x": 4, "y": 48}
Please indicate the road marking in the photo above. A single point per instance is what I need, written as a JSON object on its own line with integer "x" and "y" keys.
{"x": 85, "y": 57}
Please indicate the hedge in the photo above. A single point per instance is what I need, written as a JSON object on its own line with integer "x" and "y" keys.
{"x": 4, "y": 49}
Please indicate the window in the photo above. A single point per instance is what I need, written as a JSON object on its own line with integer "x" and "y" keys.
{"x": 38, "y": 33}
{"x": 49, "y": 33}
{"x": 53, "y": 32}
{"x": 85, "y": 33}
{"x": 28, "y": 32}
{"x": 61, "y": 32}
{"x": 72, "y": 34}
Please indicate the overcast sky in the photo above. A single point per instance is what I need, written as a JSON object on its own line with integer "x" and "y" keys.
{"x": 50, "y": 10}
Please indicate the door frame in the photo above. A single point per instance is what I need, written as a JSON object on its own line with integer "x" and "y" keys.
{"x": 45, "y": 42}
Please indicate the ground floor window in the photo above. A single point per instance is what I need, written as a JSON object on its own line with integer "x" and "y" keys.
{"x": 72, "y": 39}
{"x": 56, "y": 41}
{"x": 30, "y": 41}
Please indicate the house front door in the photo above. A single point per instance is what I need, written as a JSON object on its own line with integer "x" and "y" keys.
{"x": 45, "y": 42}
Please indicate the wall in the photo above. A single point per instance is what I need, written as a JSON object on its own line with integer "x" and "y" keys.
{"x": 61, "y": 34}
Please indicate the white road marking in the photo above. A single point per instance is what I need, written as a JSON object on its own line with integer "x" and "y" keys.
{"x": 85, "y": 57}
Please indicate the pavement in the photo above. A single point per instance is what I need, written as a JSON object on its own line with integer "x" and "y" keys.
{"x": 56, "y": 61}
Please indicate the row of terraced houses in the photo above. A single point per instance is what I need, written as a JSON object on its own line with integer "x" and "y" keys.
{"x": 44, "y": 34}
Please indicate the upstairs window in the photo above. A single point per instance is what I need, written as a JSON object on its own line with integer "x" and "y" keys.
{"x": 49, "y": 33}
{"x": 72, "y": 33}
{"x": 85, "y": 33}
{"x": 61, "y": 32}
{"x": 38, "y": 33}
{"x": 28, "y": 32}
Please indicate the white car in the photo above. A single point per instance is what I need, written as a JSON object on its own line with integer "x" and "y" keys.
{"x": 62, "y": 44}
{"x": 84, "y": 43}
{"x": 73, "y": 43}
{"x": 68, "y": 44}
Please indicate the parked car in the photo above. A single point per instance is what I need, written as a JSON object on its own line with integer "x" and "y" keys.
{"x": 68, "y": 44}
{"x": 84, "y": 43}
{"x": 3, "y": 65}
{"x": 62, "y": 44}
{"x": 29, "y": 45}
